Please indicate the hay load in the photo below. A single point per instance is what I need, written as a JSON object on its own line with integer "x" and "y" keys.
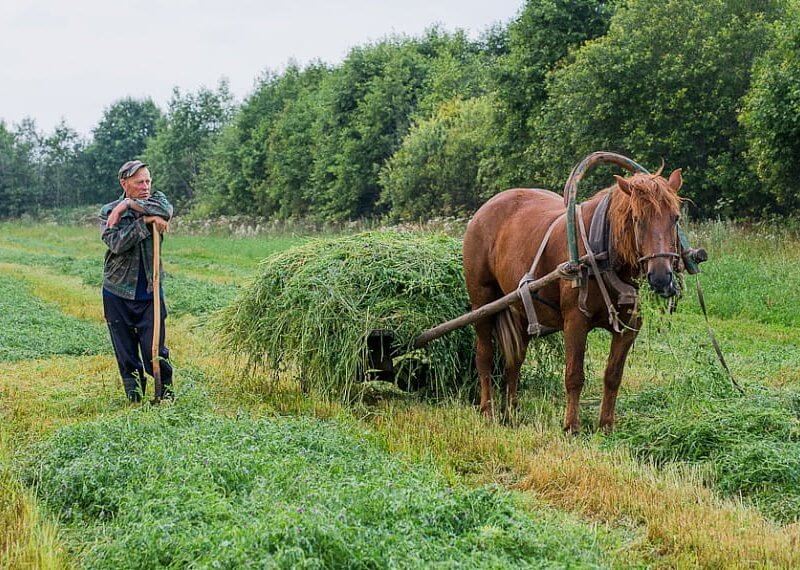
{"x": 309, "y": 312}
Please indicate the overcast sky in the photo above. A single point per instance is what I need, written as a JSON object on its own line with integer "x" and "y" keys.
{"x": 73, "y": 59}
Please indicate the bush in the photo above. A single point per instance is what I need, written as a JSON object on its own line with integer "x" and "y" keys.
{"x": 438, "y": 170}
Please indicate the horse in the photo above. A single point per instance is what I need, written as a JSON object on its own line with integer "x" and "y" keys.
{"x": 503, "y": 238}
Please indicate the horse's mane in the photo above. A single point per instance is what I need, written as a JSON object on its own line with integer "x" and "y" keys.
{"x": 650, "y": 196}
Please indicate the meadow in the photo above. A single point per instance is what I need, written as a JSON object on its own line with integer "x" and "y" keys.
{"x": 249, "y": 469}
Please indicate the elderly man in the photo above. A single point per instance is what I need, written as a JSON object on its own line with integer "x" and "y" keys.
{"x": 127, "y": 225}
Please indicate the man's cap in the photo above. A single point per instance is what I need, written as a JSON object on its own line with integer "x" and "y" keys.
{"x": 129, "y": 168}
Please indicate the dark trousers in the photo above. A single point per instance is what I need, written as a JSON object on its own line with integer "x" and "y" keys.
{"x": 131, "y": 326}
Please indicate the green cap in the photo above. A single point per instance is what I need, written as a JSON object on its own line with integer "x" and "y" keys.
{"x": 129, "y": 168}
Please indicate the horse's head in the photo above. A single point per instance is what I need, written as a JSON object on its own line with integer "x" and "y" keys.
{"x": 644, "y": 214}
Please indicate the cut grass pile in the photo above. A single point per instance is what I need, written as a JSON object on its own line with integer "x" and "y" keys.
{"x": 30, "y": 328}
{"x": 747, "y": 445}
{"x": 312, "y": 307}
{"x": 181, "y": 486}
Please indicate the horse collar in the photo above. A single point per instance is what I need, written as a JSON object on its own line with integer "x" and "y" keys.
{"x": 600, "y": 230}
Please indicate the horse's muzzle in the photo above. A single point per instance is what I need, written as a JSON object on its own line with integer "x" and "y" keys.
{"x": 663, "y": 283}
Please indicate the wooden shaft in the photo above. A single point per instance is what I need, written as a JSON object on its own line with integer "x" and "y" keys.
{"x": 156, "y": 311}
{"x": 562, "y": 271}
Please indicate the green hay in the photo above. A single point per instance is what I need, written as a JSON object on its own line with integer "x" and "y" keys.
{"x": 181, "y": 487}
{"x": 30, "y": 328}
{"x": 312, "y": 308}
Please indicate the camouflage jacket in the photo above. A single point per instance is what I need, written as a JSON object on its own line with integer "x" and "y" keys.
{"x": 127, "y": 241}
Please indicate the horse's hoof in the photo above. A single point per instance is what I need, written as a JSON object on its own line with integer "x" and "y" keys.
{"x": 572, "y": 430}
{"x": 607, "y": 429}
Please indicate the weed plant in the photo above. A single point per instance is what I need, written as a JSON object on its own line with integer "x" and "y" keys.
{"x": 30, "y": 328}
{"x": 181, "y": 486}
{"x": 312, "y": 308}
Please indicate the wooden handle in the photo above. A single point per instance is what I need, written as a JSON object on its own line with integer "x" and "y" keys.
{"x": 156, "y": 312}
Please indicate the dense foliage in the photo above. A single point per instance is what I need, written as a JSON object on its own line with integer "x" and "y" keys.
{"x": 537, "y": 40}
{"x": 183, "y": 138}
{"x": 19, "y": 191}
{"x": 665, "y": 82}
{"x": 771, "y": 116}
{"x": 415, "y": 127}
{"x": 121, "y": 135}
{"x": 443, "y": 163}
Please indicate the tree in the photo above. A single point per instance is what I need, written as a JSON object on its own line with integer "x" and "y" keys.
{"x": 63, "y": 171}
{"x": 538, "y": 39}
{"x": 19, "y": 184}
{"x": 440, "y": 169}
{"x": 238, "y": 175}
{"x": 369, "y": 104}
{"x": 184, "y": 138}
{"x": 291, "y": 147}
{"x": 665, "y": 82}
{"x": 121, "y": 135}
{"x": 311, "y": 142}
{"x": 771, "y": 116}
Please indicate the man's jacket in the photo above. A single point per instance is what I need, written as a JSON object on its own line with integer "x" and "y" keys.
{"x": 129, "y": 240}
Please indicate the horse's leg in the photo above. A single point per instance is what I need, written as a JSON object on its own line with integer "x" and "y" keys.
{"x": 484, "y": 358}
{"x": 575, "y": 331}
{"x": 620, "y": 345}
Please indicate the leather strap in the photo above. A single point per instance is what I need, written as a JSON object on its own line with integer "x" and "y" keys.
{"x": 599, "y": 229}
{"x": 534, "y": 328}
{"x": 613, "y": 315}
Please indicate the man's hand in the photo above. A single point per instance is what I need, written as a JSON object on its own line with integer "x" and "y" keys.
{"x": 160, "y": 223}
{"x": 116, "y": 213}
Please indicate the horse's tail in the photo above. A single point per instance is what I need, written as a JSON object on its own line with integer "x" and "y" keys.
{"x": 509, "y": 338}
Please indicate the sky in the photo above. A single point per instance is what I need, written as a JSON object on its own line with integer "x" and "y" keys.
{"x": 72, "y": 59}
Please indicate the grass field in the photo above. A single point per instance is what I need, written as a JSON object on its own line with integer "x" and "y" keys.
{"x": 244, "y": 470}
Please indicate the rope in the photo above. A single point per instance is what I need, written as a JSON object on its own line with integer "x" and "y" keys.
{"x": 713, "y": 338}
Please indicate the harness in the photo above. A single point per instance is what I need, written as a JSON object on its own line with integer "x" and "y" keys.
{"x": 599, "y": 248}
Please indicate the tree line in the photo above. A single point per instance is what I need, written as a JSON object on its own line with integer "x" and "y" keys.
{"x": 408, "y": 128}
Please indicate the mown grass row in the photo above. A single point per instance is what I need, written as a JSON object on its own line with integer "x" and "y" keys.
{"x": 204, "y": 490}
{"x": 185, "y": 295}
{"x": 30, "y": 328}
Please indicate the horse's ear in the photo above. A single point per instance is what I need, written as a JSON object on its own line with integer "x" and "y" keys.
{"x": 623, "y": 184}
{"x": 675, "y": 180}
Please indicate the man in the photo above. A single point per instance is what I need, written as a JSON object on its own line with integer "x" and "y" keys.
{"x": 127, "y": 225}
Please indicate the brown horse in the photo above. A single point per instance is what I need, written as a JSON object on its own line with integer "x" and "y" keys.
{"x": 500, "y": 244}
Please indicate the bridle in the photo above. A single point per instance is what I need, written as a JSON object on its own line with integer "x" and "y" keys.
{"x": 667, "y": 254}
{"x": 655, "y": 255}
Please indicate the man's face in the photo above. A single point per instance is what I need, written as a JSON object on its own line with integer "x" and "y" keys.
{"x": 138, "y": 185}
